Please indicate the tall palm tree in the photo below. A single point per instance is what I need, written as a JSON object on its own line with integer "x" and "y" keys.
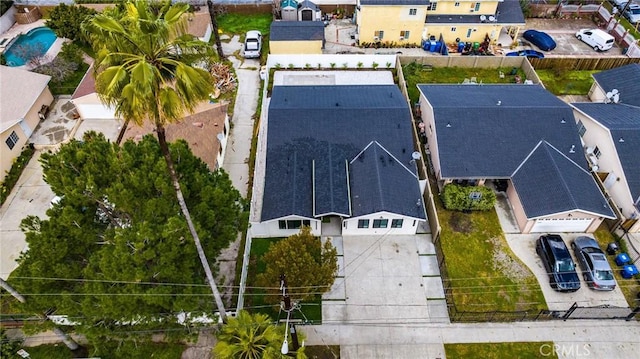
{"x": 251, "y": 337}
{"x": 147, "y": 69}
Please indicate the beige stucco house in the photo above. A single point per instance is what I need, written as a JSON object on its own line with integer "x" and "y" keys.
{"x": 25, "y": 97}
{"x": 520, "y": 135}
{"x": 296, "y": 37}
{"x": 609, "y": 128}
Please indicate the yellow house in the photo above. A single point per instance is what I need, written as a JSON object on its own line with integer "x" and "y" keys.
{"x": 25, "y": 97}
{"x": 413, "y": 21}
{"x": 296, "y": 37}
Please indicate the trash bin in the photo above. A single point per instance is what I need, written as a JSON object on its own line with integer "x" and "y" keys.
{"x": 476, "y": 46}
{"x": 629, "y": 271}
{"x": 622, "y": 259}
{"x": 460, "y": 46}
{"x": 612, "y": 248}
{"x": 432, "y": 46}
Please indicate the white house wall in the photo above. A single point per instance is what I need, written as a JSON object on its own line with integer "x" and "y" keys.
{"x": 223, "y": 143}
{"x": 91, "y": 108}
{"x": 409, "y": 225}
{"x": 596, "y": 135}
{"x": 271, "y": 228}
{"x": 428, "y": 119}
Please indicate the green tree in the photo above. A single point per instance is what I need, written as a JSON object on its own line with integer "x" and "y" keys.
{"x": 113, "y": 250}
{"x": 309, "y": 265}
{"x": 147, "y": 67}
{"x": 8, "y": 347}
{"x": 66, "y": 20}
{"x": 250, "y": 336}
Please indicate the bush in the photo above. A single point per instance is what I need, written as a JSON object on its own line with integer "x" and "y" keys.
{"x": 14, "y": 173}
{"x": 467, "y": 198}
{"x": 65, "y": 20}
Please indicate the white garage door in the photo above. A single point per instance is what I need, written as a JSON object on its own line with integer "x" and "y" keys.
{"x": 95, "y": 112}
{"x": 562, "y": 225}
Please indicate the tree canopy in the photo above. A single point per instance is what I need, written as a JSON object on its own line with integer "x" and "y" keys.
{"x": 116, "y": 248}
{"x": 66, "y": 20}
{"x": 310, "y": 266}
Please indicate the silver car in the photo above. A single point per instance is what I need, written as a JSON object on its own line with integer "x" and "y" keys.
{"x": 596, "y": 270}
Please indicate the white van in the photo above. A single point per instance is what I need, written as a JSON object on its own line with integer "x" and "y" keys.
{"x": 596, "y": 38}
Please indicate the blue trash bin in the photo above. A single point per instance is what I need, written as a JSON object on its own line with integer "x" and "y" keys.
{"x": 622, "y": 259}
{"x": 432, "y": 46}
{"x": 629, "y": 271}
{"x": 460, "y": 46}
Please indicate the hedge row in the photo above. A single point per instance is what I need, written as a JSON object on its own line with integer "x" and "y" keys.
{"x": 14, "y": 173}
{"x": 467, "y": 198}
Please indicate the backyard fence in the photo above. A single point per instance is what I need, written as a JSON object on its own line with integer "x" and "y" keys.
{"x": 582, "y": 63}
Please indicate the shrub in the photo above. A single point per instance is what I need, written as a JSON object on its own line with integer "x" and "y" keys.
{"x": 14, "y": 173}
{"x": 65, "y": 20}
{"x": 467, "y": 198}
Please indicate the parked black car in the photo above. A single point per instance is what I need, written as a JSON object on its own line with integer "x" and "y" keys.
{"x": 558, "y": 263}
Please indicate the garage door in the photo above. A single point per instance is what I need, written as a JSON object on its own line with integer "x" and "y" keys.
{"x": 95, "y": 112}
{"x": 562, "y": 225}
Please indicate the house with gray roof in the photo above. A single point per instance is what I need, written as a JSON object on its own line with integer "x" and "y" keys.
{"x": 521, "y": 134}
{"x": 338, "y": 152}
{"x": 296, "y": 37}
{"x": 609, "y": 129}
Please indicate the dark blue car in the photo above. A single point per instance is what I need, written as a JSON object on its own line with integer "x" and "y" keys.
{"x": 528, "y": 53}
{"x": 542, "y": 40}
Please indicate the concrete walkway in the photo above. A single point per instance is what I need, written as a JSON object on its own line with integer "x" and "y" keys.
{"x": 237, "y": 156}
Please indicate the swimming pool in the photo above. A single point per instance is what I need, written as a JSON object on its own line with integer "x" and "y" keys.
{"x": 27, "y": 46}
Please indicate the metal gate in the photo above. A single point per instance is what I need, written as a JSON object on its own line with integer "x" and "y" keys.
{"x": 599, "y": 312}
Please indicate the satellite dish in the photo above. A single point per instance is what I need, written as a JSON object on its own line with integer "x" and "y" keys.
{"x": 615, "y": 91}
{"x": 220, "y": 136}
{"x": 416, "y": 155}
{"x": 615, "y": 98}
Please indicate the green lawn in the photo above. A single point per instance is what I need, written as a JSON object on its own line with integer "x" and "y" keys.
{"x": 254, "y": 298}
{"x": 629, "y": 287}
{"x": 239, "y": 24}
{"x": 500, "y": 350}
{"x": 484, "y": 274}
{"x": 566, "y": 82}
{"x": 69, "y": 85}
{"x": 414, "y": 74}
{"x": 111, "y": 350}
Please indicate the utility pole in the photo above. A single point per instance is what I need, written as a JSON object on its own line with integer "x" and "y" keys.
{"x": 288, "y": 308}
{"x": 214, "y": 28}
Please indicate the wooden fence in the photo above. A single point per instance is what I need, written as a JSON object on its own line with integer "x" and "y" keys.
{"x": 580, "y": 63}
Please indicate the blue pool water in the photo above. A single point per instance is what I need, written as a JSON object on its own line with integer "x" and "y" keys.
{"x": 33, "y": 44}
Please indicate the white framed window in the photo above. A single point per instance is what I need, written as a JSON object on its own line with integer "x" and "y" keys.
{"x": 380, "y": 223}
{"x": 396, "y": 223}
{"x": 379, "y": 34}
{"x": 581, "y": 129}
{"x": 413, "y": 11}
{"x": 453, "y": 29}
{"x": 363, "y": 223}
{"x": 404, "y": 34}
{"x": 477, "y": 7}
{"x": 432, "y": 6}
{"x": 456, "y": 4}
{"x": 596, "y": 151}
{"x": 293, "y": 223}
{"x": 12, "y": 140}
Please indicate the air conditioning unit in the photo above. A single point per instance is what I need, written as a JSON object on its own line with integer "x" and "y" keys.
{"x": 376, "y": 38}
{"x": 593, "y": 160}
{"x": 589, "y": 150}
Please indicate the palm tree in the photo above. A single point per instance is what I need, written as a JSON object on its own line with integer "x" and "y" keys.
{"x": 251, "y": 337}
{"x": 147, "y": 69}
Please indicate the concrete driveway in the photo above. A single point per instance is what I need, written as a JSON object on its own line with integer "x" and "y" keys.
{"x": 523, "y": 245}
{"x": 563, "y": 32}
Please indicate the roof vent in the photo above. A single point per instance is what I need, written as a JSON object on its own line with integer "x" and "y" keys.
{"x": 448, "y": 124}
{"x": 621, "y": 140}
{"x": 573, "y": 149}
{"x": 563, "y": 121}
{"x": 499, "y": 103}
{"x": 337, "y": 104}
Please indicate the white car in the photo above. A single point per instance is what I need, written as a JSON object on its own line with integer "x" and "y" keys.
{"x": 252, "y": 44}
{"x": 598, "y": 39}
{"x": 632, "y": 13}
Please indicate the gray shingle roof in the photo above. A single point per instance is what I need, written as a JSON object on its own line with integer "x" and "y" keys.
{"x": 394, "y": 2}
{"x": 296, "y": 30}
{"x": 566, "y": 186}
{"x": 623, "y": 121}
{"x": 508, "y": 12}
{"x": 486, "y": 131}
{"x": 625, "y": 79}
{"x": 374, "y": 173}
{"x": 320, "y": 127}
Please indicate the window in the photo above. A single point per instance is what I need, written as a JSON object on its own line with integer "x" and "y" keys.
{"x": 379, "y": 34}
{"x": 432, "y": 6}
{"x": 456, "y": 4}
{"x": 380, "y": 223}
{"x": 12, "y": 140}
{"x": 477, "y": 7}
{"x": 581, "y": 128}
{"x": 596, "y": 151}
{"x": 293, "y": 223}
{"x": 363, "y": 223}
{"x": 453, "y": 29}
{"x": 404, "y": 34}
{"x": 396, "y": 223}
{"x": 413, "y": 11}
